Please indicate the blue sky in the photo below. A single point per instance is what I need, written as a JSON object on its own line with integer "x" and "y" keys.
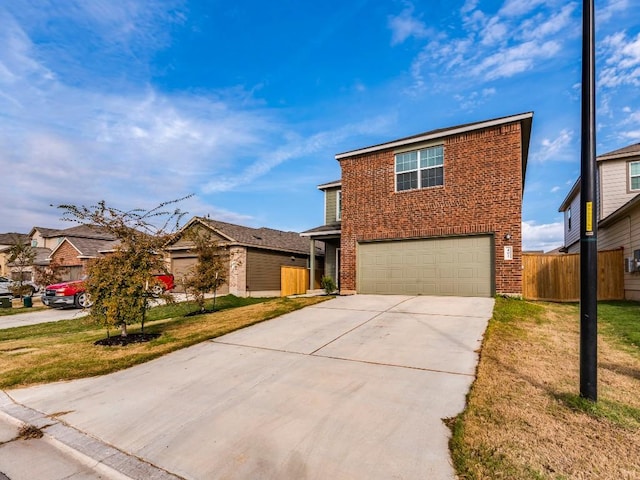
{"x": 245, "y": 103}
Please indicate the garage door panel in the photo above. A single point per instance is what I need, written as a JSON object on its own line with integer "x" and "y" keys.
{"x": 443, "y": 266}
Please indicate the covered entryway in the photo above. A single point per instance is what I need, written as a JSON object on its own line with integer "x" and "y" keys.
{"x": 436, "y": 266}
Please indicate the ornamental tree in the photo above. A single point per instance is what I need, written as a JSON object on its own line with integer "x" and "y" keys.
{"x": 209, "y": 272}
{"x": 120, "y": 282}
{"x": 21, "y": 257}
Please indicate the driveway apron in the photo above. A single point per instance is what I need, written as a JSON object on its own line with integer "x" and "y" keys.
{"x": 352, "y": 388}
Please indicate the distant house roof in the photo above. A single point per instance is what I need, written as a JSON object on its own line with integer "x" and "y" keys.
{"x": 87, "y": 247}
{"x": 266, "y": 238}
{"x": 628, "y": 151}
{"x": 42, "y": 255}
{"x": 11, "y": 237}
{"x": 84, "y": 231}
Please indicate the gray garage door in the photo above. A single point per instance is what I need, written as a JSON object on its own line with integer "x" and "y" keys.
{"x": 441, "y": 266}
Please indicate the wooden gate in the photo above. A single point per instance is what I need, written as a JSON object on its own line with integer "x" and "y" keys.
{"x": 293, "y": 280}
{"x": 557, "y": 277}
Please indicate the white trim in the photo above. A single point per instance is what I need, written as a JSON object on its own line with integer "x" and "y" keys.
{"x": 328, "y": 232}
{"x": 330, "y": 185}
{"x": 439, "y": 134}
{"x": 325, "y": 208}
{"x": 630, "y": 177}
{"x": 338, "y": 205}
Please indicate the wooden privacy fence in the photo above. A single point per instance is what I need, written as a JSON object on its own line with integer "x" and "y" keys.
{"x": 557, "y": 277}
{"x": 293, "y": 280}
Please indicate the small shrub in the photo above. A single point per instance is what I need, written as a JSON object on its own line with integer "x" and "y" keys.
{"x": 328, "y": 284}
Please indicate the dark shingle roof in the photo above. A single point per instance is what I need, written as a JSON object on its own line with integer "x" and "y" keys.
{"x": 10, "y": 238}
{"x": 627, "y": 151}
{"x": 267, "y": 238}
{"x": 91, "y": 247}
{"x": 84, "y": 231}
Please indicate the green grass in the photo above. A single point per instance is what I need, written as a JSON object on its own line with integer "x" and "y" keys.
{"x": 527, "y": 389}
{"x": 623, "y": 415}
{"x": 65, "y": 350}
{"x": 621, "y": 320}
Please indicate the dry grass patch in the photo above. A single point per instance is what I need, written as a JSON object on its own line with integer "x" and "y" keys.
{"x": 65, "y": 350}
{"x": 525, "y": 419}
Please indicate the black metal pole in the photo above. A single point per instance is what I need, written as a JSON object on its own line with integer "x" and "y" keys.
{"x": 588, "y": 214}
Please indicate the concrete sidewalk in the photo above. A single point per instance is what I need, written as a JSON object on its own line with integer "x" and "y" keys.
{"x": 355, "y": 387}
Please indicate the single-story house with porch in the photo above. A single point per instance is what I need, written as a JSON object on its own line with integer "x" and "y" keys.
{"x": 254, "y": 255}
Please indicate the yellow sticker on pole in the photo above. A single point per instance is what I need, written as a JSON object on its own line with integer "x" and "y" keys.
{"x": 589, "y": 219}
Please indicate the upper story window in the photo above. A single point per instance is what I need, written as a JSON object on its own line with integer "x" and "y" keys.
{"x": 634, "y": 176}
{"x": 569, "y": 218}
{"x": 339, "y": 205}
{"x": 420, "y": 168}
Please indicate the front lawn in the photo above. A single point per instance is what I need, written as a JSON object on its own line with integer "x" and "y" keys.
{"x": 524, "y": 417}
{"x": 65, "y": 350}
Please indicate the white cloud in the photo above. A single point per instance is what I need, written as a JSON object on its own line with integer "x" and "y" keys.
{"x": 515, "y": 8}
{"x": 555, "y": 189}
{"x": 520, "y": 37}
{"x": 611, "y": 8}
{"x": 554, "y": 149}
{"x": 622, "y": 61}
{"x": 519, "y": 58}
{"x": 543, "y": 237}
{"x": 295, "y": 148}
{"x": 539, "y": 27}
{"x": 631, "y": 135}
{"x": 405, "y": 25}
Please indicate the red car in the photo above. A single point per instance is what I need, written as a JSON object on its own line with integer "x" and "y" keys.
{"x": 73, "y": 294}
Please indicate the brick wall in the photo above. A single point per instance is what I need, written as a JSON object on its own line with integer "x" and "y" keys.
{"x": 67, "y": 256}
{"x": 482, "y": 193}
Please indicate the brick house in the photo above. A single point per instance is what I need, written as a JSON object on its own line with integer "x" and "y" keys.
{"x": 74, "y": 253}
{"x": 438, "y": 213}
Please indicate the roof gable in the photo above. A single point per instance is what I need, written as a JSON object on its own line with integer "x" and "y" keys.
{"x": 266, "y": 238}
{"x": 87, "y": 247}
{"x": 624, "y": 152}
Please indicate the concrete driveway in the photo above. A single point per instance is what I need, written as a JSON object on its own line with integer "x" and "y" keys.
{"x": 352, "y": 388}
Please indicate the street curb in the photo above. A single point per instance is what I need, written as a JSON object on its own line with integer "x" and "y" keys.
{"x": 90, "y": 451}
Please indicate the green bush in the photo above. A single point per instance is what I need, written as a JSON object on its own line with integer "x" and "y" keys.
{"x": 328, "y": 284}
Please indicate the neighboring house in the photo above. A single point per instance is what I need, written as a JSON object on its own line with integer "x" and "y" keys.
{"x": 73, "y": 248}
{"x": 618, "y": 211}
{"x": 8, "y": 240}
{"x": 254, "y": 255}
{"x": 437, "y": 213}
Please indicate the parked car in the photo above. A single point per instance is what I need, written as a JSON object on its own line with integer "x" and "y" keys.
{"x": 73, "y": 293}
{"x": 6, "y": 284}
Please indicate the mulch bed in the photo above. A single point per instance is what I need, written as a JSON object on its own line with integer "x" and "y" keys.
{"x": 130, "y": 338}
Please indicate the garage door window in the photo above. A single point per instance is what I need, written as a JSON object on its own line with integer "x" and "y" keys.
{"x": 420, "y": 168}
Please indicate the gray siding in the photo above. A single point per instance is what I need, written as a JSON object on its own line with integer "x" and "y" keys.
{"x": 181, "y": 264}
{"x": 613, "y": 177}
{"x": 263, "y": 268}
{"x": 624, "y": 233}
{"x": 572, "y": 235}
{"x": 330, "y": 204}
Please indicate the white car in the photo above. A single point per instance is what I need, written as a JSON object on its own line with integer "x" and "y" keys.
{"x": 6, "y": 283}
